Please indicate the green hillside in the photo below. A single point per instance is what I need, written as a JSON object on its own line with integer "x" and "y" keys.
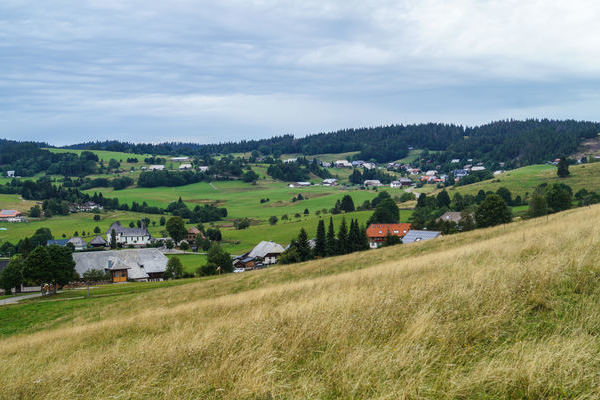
{"x": 507, "y": 312}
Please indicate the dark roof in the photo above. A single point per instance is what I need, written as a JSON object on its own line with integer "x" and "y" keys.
{"x": 98, "y": 240}
{"x": 59, "y": 242}
{"x": 120, "y": 229}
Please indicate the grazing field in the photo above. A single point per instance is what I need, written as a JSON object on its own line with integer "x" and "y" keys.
{"x": 15, "y": 202}
{"x": 506, "y": 312}
{"x": 524, "y": 180}
{"x": 69, "y": 224}
{"x": 190, "y": 262}
{"x": 243, "y": 199}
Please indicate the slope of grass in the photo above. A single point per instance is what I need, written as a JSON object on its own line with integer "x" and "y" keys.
{"x": 508, "y": 312}
{"x": 525, "y": 180}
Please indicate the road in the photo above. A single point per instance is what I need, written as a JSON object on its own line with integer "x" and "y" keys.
{"x": 16, "y": 299}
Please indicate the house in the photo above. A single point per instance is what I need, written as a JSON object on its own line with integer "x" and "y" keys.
{"x": 290, "y": 160}
{"x": 326, "y": 164}
{"x": 418, "y": 236}
{"x": 302, "y": 184}
{"x": 88, "y": 206}
{"x": 460, "y": 173}
{"x": 129, "y": 236}
{"x": 11, "y": 216}
{"x": 330, "y": 182}
{"x": 267, "y": 252}
{"x": 98, "y": 242}
{"x": 192, "y": 234}
{"x": 57, "y": 242}
{"x": 431, "y": 172}
{"x": 342, "y": 164}
{"x": 78, "y": 243}
{"x": 401, "y": 182}
{"x": 372, "y": 182}
{"x": 203, "y": 168}
{"x": 10, "y": 174}
{"x": 450, "y": 216}
{"x": 378, "y": 232}
{"x": 140, "y": 265}
{"x": 185, "y": 166}
{"x": 369, "y": 165}
{"x": 180, "y": 158}
{"x": 156, "y": 167}
{"x": 499, "y": 172}
{"x": 244, "y": 262}
{"x": 455, "y": 161}
{"x": 478, "y": 168}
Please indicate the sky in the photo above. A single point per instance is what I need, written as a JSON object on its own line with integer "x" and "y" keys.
{"x": 205, "y": 72}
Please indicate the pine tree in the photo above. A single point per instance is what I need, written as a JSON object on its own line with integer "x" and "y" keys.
{"x": 347, "y": 204}
{"x": 364, "y": 239}
{"x": 443, "y": 199}
{"x": 422, "y": 200}
{"x": 331, "y": 248}
{"x": 113, "y": 239}
{"x": 321, "y": 240}
{"x": 563, "y": 168}
{"x": 343, "y": 238}
{"x": 354, "y": 236}
{"x": 302, "y": 245}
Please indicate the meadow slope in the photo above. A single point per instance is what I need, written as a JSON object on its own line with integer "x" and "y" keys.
{"x": 506, "y": 312}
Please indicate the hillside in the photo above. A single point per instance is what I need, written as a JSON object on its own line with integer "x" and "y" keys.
{"x": 508, "y": 312}
{"x": 524, "y": 180}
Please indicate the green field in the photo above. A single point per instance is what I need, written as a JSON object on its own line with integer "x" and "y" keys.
{"x": 190, "y": 262}
{"x": 524, "y": 180}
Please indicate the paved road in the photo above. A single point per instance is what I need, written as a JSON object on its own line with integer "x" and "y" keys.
{"x": 16, "y": 299}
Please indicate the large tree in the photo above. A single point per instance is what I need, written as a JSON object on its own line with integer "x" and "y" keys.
{"x": 559, "y": 197}
{"x": 12, "y": 276}
{"x": 37, "y": 266}
{"x": 387, "y": 212}
{"x": 176, "y": 228}
{"x": 302, "y": 246}
{"x": 537, "y": 205}
{"x": 174, "y": 269}
{"x": 342, "y": 239}
{"x": 347, "y": 204}
{"x": 443, "y": 199}
{"x": 492, "y": 211}
{"x": 62, "y": 265}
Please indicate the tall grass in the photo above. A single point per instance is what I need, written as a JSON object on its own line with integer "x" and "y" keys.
{"x": 508, "y": 312}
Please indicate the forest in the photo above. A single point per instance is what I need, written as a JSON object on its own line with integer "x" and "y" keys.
{"x": 525, "y": 142}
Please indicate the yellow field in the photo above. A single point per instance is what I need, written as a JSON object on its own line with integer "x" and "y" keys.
{"x": 501, "y": 313}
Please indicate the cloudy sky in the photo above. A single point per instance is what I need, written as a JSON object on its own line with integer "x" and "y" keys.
{"x": 150, "y": 71}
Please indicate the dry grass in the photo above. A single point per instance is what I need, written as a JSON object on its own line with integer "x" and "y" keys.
{"x": 509, "y": 312}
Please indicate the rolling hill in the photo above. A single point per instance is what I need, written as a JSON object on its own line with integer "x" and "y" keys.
{"x": 506, "y": 312}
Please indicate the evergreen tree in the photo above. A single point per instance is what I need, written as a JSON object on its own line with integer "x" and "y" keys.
{"x": 303, "y": 246}
{"x": 505, "y": 194}
{"x": 354, "y": 239}
{"x": 321, "y": 240}
{"x": 480, "y": 197}
{"x": 559, "y": 197}
{"x": 443, "y": 199}
{"x": 422, "y": 200}
{"x": 342, "y": 242}
{"x": 113, "y": 239}
{"x": 331, "y": 248}
{"x": 563, "y": 168}
{"x": 364, "y": 239}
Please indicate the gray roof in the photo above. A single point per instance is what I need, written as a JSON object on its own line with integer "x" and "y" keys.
{"x": 98, "y": 240}
{"x": 77, "y": 242}
{"x": 417, "y": 236}
{"x": 264, "y": 248}
{"x": 127, "y": 231}
{"x": 138, "y": 262}
{"x": 453, "y": 216}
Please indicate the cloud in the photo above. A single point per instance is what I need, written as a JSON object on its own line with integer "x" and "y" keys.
{"x": 236, "y": 68}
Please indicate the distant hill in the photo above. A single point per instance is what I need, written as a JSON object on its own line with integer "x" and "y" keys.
{"x": 521, "y": 142}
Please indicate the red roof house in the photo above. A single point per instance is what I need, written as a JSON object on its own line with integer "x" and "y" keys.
{"x": 378, "y": 232}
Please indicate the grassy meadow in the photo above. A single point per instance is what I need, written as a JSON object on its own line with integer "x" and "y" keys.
{"x": 500, "y": 313}
{"x": 525, "y": 180}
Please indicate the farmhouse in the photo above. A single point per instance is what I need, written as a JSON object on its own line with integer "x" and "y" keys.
{"x": 156, "y": 167}
{"x": 372, "y": 182}
{"x": 330, "y": 182}
{"x": 342, "y": 164}
{"x": 129, "y": 236}
{"x": 57, "y": 242}
{"x": 179, "y": 158}
{"x": 11, "y": 216}
{"x": 185, "y": 166}
{"x": 418, "y": 236}
{"x": 192, "y": 234}
{"x": 401, "y": 182}
{"x": 378, "y": 232}
{"x": 10, "y": 174}
{"x": 98, "y": 242}
{"x": 203, "y": 168}
{"x": 78, "y": 243}
{"x": 124, "y": 265}
{"x": 245, "y": 262}
{"x": 266, "y": 251}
